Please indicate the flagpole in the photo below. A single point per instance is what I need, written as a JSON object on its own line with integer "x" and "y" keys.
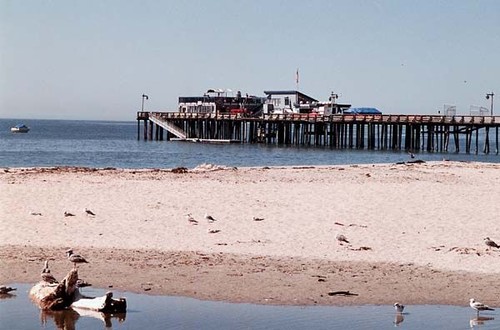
{"x": 297, "y": 79}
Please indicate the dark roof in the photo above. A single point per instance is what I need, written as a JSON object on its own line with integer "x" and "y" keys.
{"x": 291, "y": 92}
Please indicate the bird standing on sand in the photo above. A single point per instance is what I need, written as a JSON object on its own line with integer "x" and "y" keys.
{"x": 399, "y": 307}
{"x": 479, "y": 306}
{"x": 191, "y": 220}
{"x": 209, "y": 218}
{"x": 89, "y": 212}
{"x": 75, "y": 258}
{"x": 68, "y": 214}
{"x": 341, "y": 238}
{"x": 490, "y": 243}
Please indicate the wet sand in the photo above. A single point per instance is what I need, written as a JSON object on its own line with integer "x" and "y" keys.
{"x": 415, "y": 231}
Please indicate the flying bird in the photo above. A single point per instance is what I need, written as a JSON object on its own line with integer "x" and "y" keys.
{"x": 35, "y": 213}
{"x": 479, "y": 306}
{"x": 209, "y": 218}
{"x": 68, "y": 214}
{"x": 341, "y": 238}
{"x": 89, "y": 212}
{"x": 399, "y": 307}
{"x": 490, "y": 243}
{"x": 75, "y": 258}
{"x": 191, "y": 220}
{"x": 258, "y": 219}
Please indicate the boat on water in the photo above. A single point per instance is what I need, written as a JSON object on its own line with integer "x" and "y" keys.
{"x": 20, "y": 128}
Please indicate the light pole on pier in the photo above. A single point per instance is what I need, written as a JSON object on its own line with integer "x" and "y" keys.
{"x": 488, "y": 96}
{"x": 144, "y": 97}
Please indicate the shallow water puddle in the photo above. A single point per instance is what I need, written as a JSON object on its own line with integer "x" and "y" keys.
{"x": 163, "y": 312}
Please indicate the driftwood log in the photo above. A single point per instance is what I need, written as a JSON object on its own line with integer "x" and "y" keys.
{"x": 64, "y": 295}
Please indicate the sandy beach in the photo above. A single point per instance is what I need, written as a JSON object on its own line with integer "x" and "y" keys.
{"x": 415, "y": 231}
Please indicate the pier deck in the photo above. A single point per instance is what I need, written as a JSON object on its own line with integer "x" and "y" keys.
{"x": 433, "y": 133}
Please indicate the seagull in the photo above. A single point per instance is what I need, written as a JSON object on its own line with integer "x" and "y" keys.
{"x": 258, "y": 219}
{"x": 490, "y": 243}
{"x": 75, "y": 258}
{"x": 209, "y": 218}
{"x": 6, "y": 289}
{"x": 68, "y": 214}
{"x": 191, "y": 220}
{"x": 399, "y": 307}
{"x": 46, "y": 275}
{"x": 89, "y": 212}
{"x": 341, "y": 238}
{"x": 479, "y": 306}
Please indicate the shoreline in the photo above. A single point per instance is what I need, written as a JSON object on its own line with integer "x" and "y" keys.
{"x": 254, "y": 279}
{"x": 415, "y": 231}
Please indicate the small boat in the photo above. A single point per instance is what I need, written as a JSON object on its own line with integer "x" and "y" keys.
{"x": 20, "y": 128}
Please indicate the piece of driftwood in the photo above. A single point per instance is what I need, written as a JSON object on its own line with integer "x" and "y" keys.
{"x": 341, "y": 293}
{"x": 63, "y": 295}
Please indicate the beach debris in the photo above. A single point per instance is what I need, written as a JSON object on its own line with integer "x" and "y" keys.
{"x": 191, "y": 220}
{"x": 362, "y": 248}
{"x": 342, "y": 293}
{"x": 220, "y": 243}
{"x": 75, "y": 258}
{"x": 257, "y": 219}
{"x": 68, "y": 214}
{"x": 36, "y": 213}
{"x": 213, "y": 231}
{"x": 6, "y": 289}
{"x": 490, "y": 243}
{"x": 399, "y": 307}
{"x": 89, "y": 212}
{"x": 82, "y": 284}
{"x": 464, "y": 250}
{"x": 338, "y": 223}
{"x": 179, "y": 170}
{"x": 341, "y": 238}
{"x": 209, "y": 218}
{"x": 478, "y": 306}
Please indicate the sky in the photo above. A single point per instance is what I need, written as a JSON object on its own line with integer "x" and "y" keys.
{"x": 93, "y": 59}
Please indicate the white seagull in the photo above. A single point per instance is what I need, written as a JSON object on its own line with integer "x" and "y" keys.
{"x": 209, "y": 218}
{"x": 399, "y": 307}
{"x": 191, "y": 220}
{"x": 479, "y": 306}
{"x": 75, "y": 258}
{"x": 490, "y": 243}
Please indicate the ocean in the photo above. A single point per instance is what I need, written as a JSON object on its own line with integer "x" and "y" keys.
{"x": 114, "y": 144}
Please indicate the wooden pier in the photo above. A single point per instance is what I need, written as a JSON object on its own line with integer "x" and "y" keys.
{"x": 432, "y": 133}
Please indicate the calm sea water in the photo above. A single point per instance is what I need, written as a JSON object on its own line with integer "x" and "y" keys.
{"x": 115, "y": 144}
{"x": 158, "y": 312}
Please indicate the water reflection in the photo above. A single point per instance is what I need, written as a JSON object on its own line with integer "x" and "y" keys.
{"x": 398, "y": 319}
{"x": 480, "y": 320}
{"x": 66, "y": 319}
{"x": 7, "y": 295}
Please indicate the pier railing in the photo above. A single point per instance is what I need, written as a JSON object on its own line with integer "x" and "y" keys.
{"x": 370, "y": 131}
{"x": 343, "y": 118}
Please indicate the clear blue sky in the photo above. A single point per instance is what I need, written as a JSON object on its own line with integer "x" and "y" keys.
{"x": 89, "y": 59}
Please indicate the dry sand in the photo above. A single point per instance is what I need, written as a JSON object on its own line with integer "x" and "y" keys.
{"x": 415, "y": 230}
